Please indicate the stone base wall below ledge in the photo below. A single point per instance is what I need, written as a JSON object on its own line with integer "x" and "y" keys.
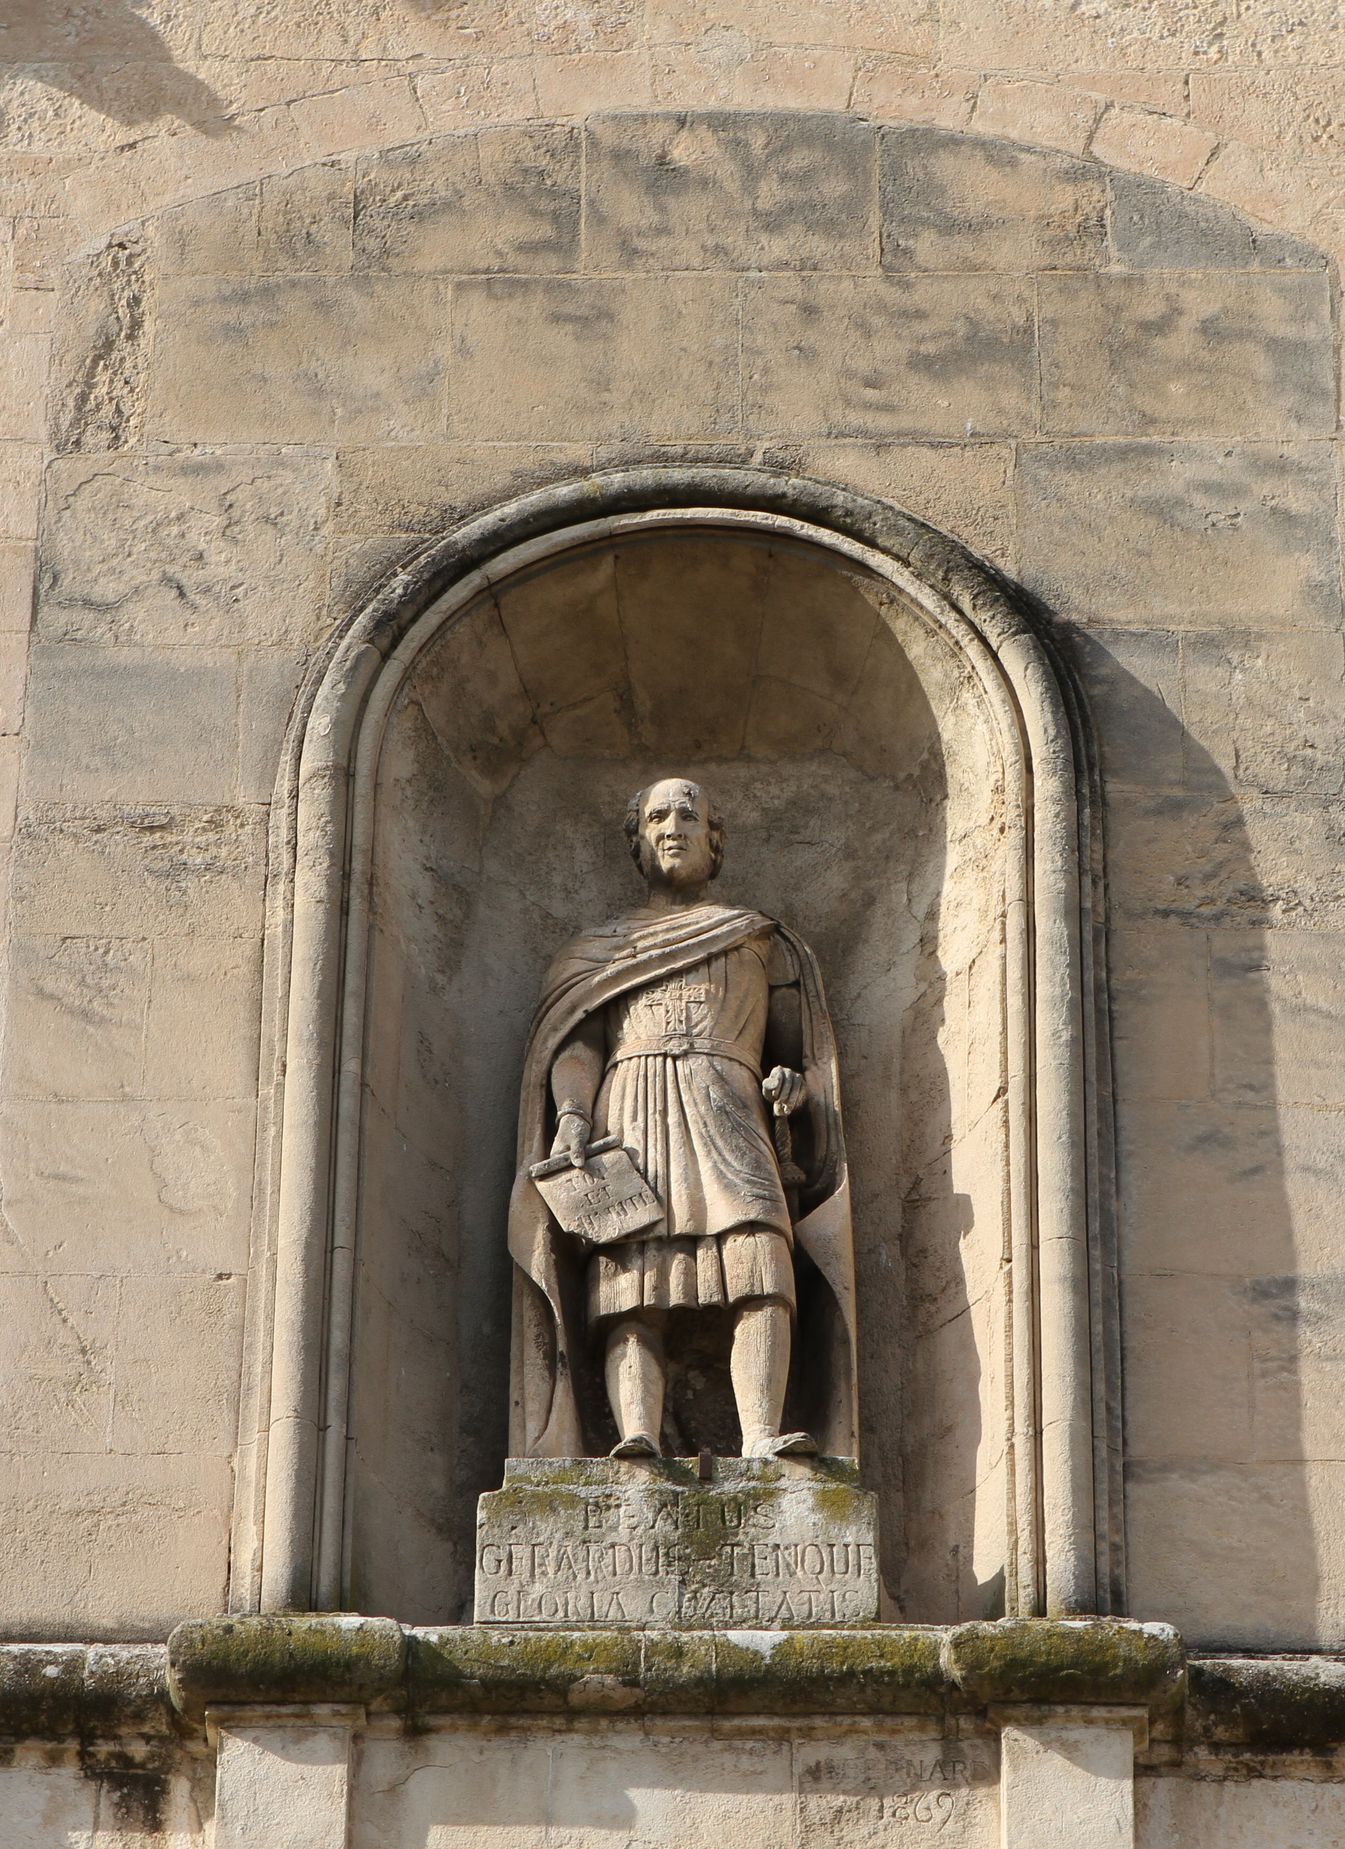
{"x": 343, "y": 1732}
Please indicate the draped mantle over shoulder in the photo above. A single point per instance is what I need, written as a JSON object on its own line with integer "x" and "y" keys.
{"x": 591, "y": 970}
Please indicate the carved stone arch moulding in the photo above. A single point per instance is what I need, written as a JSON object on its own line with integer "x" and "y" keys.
{"x": 1065, "y": 1545}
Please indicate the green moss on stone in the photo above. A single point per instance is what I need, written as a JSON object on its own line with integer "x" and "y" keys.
{"x": 1268, "y": 1705}
{"x": 285, "y": 1657}
{"x": 892, "y": 1669}
{"x": 1077, "y": 1660}
{"x": 480, "y": 1668}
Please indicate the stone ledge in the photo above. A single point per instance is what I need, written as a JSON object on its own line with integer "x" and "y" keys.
{"x": 1266, "y": 1704}
{"x": 84, "y": 1692}
{"x": 481, "y": 1669}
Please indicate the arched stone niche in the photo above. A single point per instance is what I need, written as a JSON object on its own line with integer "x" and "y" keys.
{"x": 903, "y": 774}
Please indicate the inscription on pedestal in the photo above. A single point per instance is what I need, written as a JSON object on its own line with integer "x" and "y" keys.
{"x": 765, "y": 1544}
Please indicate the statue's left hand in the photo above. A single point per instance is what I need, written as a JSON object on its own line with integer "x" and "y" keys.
{"x": 784, "y": 1090}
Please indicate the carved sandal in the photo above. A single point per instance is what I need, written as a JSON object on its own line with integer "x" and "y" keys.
{"x": 639, "y": 1444}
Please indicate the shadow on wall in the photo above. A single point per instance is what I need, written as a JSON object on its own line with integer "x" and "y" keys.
{"x": 85, "y": 51}
{"x": 1216, "y": 1313}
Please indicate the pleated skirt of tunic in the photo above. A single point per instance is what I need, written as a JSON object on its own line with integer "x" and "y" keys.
{"x": 696, "y": 1127}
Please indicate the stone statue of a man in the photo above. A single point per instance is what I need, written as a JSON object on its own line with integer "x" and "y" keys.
{"x": 689, "y": 1031}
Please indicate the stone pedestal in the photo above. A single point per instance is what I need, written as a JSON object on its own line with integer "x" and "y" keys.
{"x": 763, "y": 1544}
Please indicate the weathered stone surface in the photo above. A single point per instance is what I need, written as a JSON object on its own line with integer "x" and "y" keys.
{"x": 186, "y": 549}
{"x": 1198, "y": 355}
{"x": 898, "y": 356}
{"x": 762, "y": 1545}
{"x": 268, "y": 361}
{"x": 127, "y": 1187}
{"x": 132, "y": 724}
{"x": 729, "y": 191}
{"x": 503, "y": 201}
{"x": 428, "y": 488}
{"x": 1191, "y": 533}
{"x": 951, "y": 202}
{"x": 1240, "y": 685}
{"x": 536, "y": 360}
{"x": 54, "y": 1507}
{"x": 128, "y": 870}
{"x": 1157, "y": 227}
{"x": 305, "y": 221}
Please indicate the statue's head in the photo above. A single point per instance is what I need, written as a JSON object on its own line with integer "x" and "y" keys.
{"x": 675, "y": 834}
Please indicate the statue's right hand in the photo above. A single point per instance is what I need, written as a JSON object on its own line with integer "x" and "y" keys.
{"x": 572, "y": 1138}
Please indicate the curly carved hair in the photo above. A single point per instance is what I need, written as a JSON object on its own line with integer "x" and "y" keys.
{"x": 635, "y": 809}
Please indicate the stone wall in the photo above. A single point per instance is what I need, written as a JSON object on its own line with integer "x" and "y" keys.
{"x": 264, "y": 400}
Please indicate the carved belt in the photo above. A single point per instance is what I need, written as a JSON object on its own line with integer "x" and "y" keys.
{"x": 677, "y": 1046}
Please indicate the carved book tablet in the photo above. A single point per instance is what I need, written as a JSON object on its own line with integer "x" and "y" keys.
{"x": 606, "y": 1200}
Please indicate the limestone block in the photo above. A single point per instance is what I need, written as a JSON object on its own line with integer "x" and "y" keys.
{"x": 1188, "y": 1383}
{"x": 208, "y": 237}
{"x": 44, "y": 1805}
{"x": 564, "y": 630}
{"x": 866, "y": 1792}
{"x": 131, "y": 724}
{"x": 954, "y": 202}
{"x": 486, "y": 740}
{"x": 539, "y": 360}
{"x": 504, "y": 200}
{"x": 674, "y": 1791}
{"x": 1187, "y": 355}
{"x": 76, "y": 1017}
{"x": 1263, "y": 1581}
{"x": 138, "y": 871}
{"x": 362, "y": 115}
{"x": 427, "y": 488}
{"x": 692, "y": 615}
{"x": 907, "y": 27}
{"x": 268, "y": 682}
{"x": 193, "y": 548}
{"x": 964, "y": 488}
{"x": 1230, "y": 1191}
{"x": 1219, "y": 861}
{"x": 450, "y": 1789}
{"x": 1240, "y": 685}
{"x": 761, "y": 1544}
{"x": 1297, "y": 1368}
{"x": 176, "y": 1362}
{"x": 1159, "y": 982}
{"x": 114, "y": 1545}
{"x": 1051, "y": 115}
{"x": 305, "y": 220}
{"x": 283, "y": 1785}
{"x": 884, "y": 357}
{"x": 1133, "y": 681}
{"x": 1145, "y": 141}
{"x": 20, "y": 482}
{"x": 1068, "y": 1783}
{"x": 202, "y": 1026}
{"x": 127, "y": 1187}
{"x": 1193, "y": 533}
{"x": 1157, "y": 227}
{"x": 1238, "y": 1813}
{"x": 736, "y": 191}
{"x": 23, "y": 377}
{"x": 17, "y": 575}
{"x": 57, "y": 1341}
{"x": 100, "y": 349}
{"x": 271, "y": 360}
{"x": 1279, "y": 1017}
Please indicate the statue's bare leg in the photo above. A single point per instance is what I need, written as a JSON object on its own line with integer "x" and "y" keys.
{"x": 759, "y": 1365}
{"x": 635, "y": 1376}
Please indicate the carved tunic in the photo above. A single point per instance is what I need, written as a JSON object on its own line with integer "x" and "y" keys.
{"x": 683, "y": 1090}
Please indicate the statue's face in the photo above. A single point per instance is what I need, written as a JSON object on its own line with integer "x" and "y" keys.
{"x": 675, "y": 847}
